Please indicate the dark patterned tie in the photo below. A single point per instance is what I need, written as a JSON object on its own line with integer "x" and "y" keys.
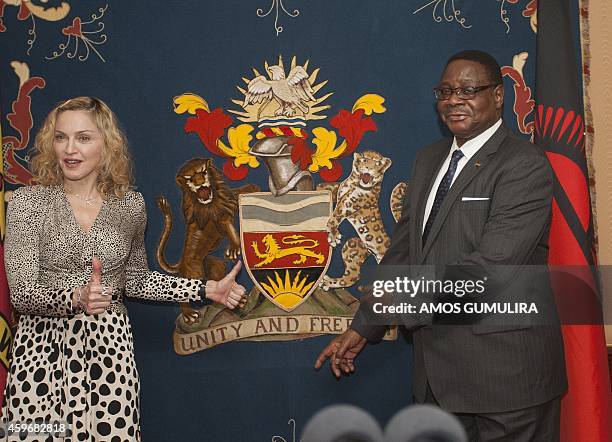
{"x": 443, "y": 189}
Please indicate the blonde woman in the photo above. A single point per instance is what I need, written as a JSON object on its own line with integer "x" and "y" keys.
{"x": 74, "y": 249}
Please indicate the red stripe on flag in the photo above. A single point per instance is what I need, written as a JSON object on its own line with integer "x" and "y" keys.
{"x": 586, "y": 406}
{"x": 563, "y": 247}
{"x": 549, "y": 113}
{"x": 576, "y": 124}
{"x": 558, "y": 116}
{"x": 575, "y": 187}
{"x": 568, "y": 119}
{"x": 576, "y": 293}
{"x": 580, "y": 135}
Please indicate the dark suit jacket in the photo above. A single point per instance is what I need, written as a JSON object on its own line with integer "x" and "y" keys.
{"x": 480, "y": 368}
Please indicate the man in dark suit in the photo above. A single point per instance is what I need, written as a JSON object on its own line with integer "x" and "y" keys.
{"x": 480, "y": 200}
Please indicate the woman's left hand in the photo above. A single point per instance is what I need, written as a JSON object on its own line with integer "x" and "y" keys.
{"x": 227, "y": 291}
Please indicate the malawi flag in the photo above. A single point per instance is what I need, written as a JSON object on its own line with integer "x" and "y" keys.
{"x": 586, "y": 409}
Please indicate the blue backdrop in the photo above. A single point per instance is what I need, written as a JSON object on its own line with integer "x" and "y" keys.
{"x": 146, "y": 53}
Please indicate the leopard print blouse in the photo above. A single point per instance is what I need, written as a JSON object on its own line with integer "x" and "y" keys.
{"x": 78, "y": 369}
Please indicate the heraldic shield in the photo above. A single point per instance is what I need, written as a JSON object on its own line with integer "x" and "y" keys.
{"x": 284, "y": 243}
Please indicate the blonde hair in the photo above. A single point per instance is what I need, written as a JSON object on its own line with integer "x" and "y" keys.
{"x": 115, "y": 174}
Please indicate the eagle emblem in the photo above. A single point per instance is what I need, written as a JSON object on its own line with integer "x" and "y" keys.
{"x": 274, "y": 98}
{"x": 292, "y": 93}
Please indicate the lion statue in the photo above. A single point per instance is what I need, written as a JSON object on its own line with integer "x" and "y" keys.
{"x": 209, "y": 208}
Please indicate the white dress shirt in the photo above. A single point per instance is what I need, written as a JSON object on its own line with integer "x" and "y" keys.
{"x": 469, "y": 149}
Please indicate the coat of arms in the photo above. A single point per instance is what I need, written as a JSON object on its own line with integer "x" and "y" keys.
{"x": 287, "y": 234}
{"x": 284, "y": 243}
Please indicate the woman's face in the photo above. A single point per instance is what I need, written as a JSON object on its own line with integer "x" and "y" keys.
{"x": 78, "y": 145}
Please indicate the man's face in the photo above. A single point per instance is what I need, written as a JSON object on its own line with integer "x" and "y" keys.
{"x": 468, "y": 118}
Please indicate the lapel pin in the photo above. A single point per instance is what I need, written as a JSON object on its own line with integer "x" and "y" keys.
{"x": 477, "y": 164}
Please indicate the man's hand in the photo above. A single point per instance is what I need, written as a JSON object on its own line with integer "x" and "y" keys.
{"x": 342, "y": 351}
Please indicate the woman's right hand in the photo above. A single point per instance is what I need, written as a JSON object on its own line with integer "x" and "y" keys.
{"x": 227, "y": 291}
{"x": 95, "y": 298}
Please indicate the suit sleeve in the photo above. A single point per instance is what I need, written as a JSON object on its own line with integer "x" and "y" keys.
{"x": 28, "y": 297}
{"x": 151, "y": 285}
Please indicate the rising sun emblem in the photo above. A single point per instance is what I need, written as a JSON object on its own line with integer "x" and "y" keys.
{"x": 287, "y": 292}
